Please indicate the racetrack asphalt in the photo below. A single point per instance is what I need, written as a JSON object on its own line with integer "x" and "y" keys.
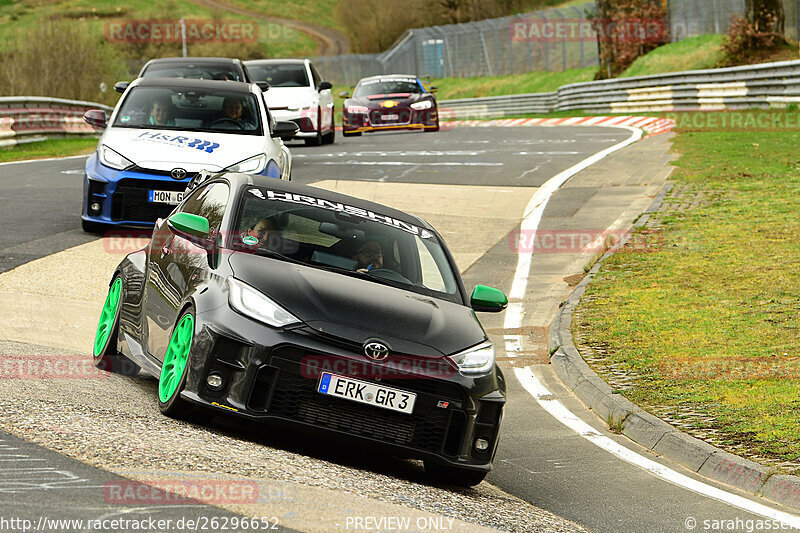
{"x": 475, "y": 207}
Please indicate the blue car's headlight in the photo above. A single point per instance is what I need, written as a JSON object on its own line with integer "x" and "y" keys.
{"x": 113, "y": 159}
{"x": 253, "y": 303}
{"x": 476, "y": 360}
{"x": 252, "y": 165}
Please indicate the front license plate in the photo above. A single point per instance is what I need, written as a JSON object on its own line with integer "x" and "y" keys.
{"x": 166, "y": 197}
{"x": 390, "y": 117}
{"x": 364, "y": 392}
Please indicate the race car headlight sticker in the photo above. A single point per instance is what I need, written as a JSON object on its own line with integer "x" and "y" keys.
{"x": 113, "y": 159}
{"x": 425, "y": 104}
{"x": 355, "y": 109}
{"x": 252, "y": 165}
{"x": 476, "y": 360}
{"x": 253, "y": 303}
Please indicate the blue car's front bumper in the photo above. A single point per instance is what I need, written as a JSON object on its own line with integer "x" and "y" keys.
{"x": 123, "y": 196}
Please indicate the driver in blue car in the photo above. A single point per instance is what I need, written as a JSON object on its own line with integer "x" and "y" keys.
{"x": 369, "y": 256}
{"x": 232, "y": 110}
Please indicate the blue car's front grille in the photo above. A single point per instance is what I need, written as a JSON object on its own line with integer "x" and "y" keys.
{"x": 131, "y": 200}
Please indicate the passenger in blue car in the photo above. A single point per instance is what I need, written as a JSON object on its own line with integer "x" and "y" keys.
{"x": 160, "y": 111}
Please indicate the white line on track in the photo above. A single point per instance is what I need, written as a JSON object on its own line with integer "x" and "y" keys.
{"x": 409, "y": 163}
{"x": 566, "y": 417}
{"x": 513, "y": 320}
{"x": 40, "y": 160}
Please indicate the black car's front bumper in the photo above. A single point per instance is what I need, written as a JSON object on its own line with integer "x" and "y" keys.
{"x": 272, "y": 376}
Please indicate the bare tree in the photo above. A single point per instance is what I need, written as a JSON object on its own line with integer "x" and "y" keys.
{"x": 767, "y": 16}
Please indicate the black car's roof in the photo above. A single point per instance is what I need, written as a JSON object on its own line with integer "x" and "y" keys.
{"x": 191, "y": 83}
{"x": 381, "y": 77}
{"x": 239, "y": 180}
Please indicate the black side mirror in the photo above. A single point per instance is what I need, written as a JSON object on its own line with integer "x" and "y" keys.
{"x": 324, "y": 85}
{"x": 264, "y": 86}
{"x": 285, "y": 130}
{"x": 95, "y": 117}
{"x": 120, "y": 86}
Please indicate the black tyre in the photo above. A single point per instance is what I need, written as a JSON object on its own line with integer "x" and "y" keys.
{"x": 351, "y": 134}
{"x": 329, "y": 138}
{"x": 105, "y": 353}
{"x": 457, "y": 477}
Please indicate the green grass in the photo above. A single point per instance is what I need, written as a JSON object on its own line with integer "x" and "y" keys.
{"x": 709, "y": 322}
{"x": 276, "y": 39}
{"x": 322, "y": 12}
{"x": 693, "y": 53}
{"x": 49, "y": 148}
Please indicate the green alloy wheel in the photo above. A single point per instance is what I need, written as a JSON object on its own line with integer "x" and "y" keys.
{"x": 108, "y": 319}
{"x": 173, "y": 371}
{"x": 105, "y": 340}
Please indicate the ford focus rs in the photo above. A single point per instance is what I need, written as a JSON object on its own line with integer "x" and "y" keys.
{"x": 285, "y": 304}
{"x": 389, "y": 102}
{"x": 162, "y": 133}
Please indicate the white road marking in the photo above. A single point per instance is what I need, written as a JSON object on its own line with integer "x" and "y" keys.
{"x": 535, "y": 209}
{"x": 40, "y": 160}
{"x": 566, "y": 417}
{"x": 513, "y": 320}
{"x": 410, "y": 163}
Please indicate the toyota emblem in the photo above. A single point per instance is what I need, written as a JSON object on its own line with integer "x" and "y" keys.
{"x": 178, "y": 173}
{"x": 376, "y": 351}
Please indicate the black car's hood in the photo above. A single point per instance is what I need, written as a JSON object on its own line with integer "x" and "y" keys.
{"x": 357, "y": 310}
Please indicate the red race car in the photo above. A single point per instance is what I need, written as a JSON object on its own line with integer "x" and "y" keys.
{"x": 389, "y": 102}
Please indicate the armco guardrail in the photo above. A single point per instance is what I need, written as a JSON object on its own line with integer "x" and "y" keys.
{"x": 764, "y": 85}
{"x": 25, "y": 118}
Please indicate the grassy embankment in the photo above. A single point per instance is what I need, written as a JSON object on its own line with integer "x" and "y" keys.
{"x": 708, "y": 323}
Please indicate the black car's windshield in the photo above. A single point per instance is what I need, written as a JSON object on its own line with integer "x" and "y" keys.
{"x": 190, "y": 109}
{"x": 387, "y": 87}
{"x": 336, "y": 236}
{"x": 196, "y": 71}
{"x": 279, "y": 74}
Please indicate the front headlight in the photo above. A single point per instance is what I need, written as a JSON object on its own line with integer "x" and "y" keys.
{"x": 253, "y": 303}
{"x": 356, "y": 109}
{"x": 476, "y": 360}
{"x": 425, "y": 104}
{"x": 252, "y": 165}
{"x": 113, "y": 159}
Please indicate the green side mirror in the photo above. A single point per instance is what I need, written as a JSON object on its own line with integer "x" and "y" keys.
{"x": 488, "y": 299}
{"x": 188, "y": 223}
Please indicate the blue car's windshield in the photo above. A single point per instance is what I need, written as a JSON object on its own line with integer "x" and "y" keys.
{"x": 190, "y": 109}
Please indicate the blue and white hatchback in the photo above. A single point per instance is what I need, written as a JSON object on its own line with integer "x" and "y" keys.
{"x": 163, "y": 132}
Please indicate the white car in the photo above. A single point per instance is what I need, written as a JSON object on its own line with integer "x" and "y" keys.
{"x": 297, "y": 93}
{"x": 163, "y": 132}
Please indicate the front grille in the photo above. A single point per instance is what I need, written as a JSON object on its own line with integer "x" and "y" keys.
{"x": 295, "y": 397}
{"x": 155, "y": 172}
{"x": 130, "y": 201}
{"x": 379, "y": 118}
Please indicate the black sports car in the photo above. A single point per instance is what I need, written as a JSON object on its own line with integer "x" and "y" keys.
{"x": 389, "y": 102}
{"x": 287, "y": 304}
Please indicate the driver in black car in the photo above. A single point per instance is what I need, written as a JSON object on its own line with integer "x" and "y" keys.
{"x": 369, "y": 256}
